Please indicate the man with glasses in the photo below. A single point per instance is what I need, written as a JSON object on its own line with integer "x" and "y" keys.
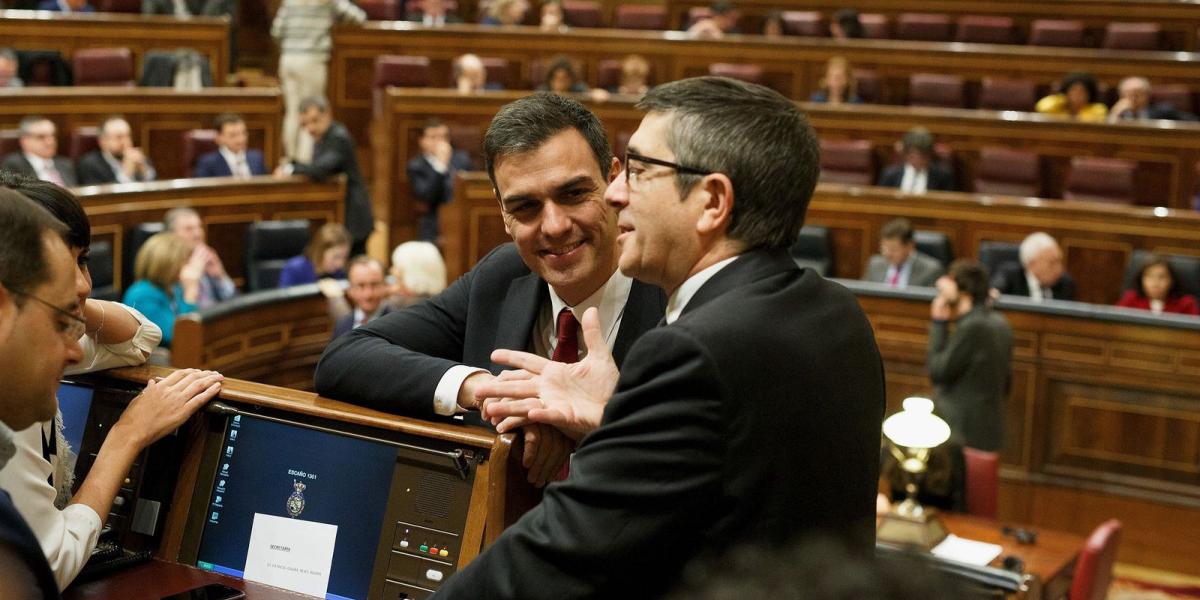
{"x": 751, "y": 417}
{"x": 39, "y": 154}
{"x": 549, "y": 162}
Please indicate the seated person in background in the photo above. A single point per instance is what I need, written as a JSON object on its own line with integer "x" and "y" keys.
{"x": 919, "y": 172}
{"x": 898, "y": 263}
{"x": 553, "y": 18}
{"x": 1135, "y": 105}
{"x": 506, "y": 12}
{"x": 1078, "y": 96}
{"x": 167, "y": 284}
{"x": 433, "y": 13}
{"x": 838, "y": 86}
{"x": 635, "y": 76}
{"x": 8, "y": 69}
{"x": 470, "y": 75}
{"x": 1156, "y": 288}
{"x": 188, "y": 8}
{"x": 325, "y": 256}
{"x": 39, "y": 476}
{"x": 722, "y": 19}
{"x": 431, "y": 176}
{"x": 418, "y": 273}
{"x": 773, "y": 25}
{"x": 563, "y": 78}
{"x": 969, "y": 366}
{"x": 39, "y": 154}
{"x": 215, "y": 284}
{"x": 67, "y": 6}
{"x": 117, "y": 160}
{"x": 231, "y": 158}
{"x": 1039, "y": 275}
{"x": 367, "y": 292}
{"x": 845, "y": 24}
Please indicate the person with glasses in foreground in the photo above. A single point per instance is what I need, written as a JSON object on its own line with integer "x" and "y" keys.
{"x": 752, "y": 416}
{"x": 549, "y": 162}
{"x": 39, "y": 476}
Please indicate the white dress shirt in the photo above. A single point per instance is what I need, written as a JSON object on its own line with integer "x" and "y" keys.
{"x": 1036, "y": 292}
{"x": 610, "y": 300}
{"x": 680, "y": 298}
{"x": 67, "y": 536}
{"x": 433, "y": 21}
{"x": 914, "y": 181}
{"x": 905, "y": 271}
{"x": 43, "y": 167}
{"x": 236, "y": 161}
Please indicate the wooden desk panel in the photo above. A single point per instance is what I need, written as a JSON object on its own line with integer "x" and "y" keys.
{"x": 66, "y": 33}
{"x": 159, "y": 579}
{"x": 158, "y": 116}
{"x": 793, "y": 66}
{"x": 1051, "y": 560}
{"x": 227, "y": 205}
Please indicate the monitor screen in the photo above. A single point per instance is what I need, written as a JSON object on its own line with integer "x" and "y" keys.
{"x": 75, "y": 402}
{"x": 344, "y": 483}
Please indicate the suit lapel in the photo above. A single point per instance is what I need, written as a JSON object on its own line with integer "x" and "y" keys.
{"x": 643, "y": 311}
{"x": 519, "y": 312}
{"x": 749, "y": 267}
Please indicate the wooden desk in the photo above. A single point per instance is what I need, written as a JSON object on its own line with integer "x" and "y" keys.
{"x": 68, "y": 32}
{"x": 793, "y": 66}
{"x": 1051, "y": 559}
{"x": 227, "y": 205}
{"x": 159, "y": 578}
{"x": 158, "y": 116}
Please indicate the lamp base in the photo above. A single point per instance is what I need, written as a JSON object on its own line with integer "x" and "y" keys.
{"x": 921, "y": 528}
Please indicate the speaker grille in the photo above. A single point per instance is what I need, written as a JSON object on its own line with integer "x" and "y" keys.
{"x": 435, "y": 491}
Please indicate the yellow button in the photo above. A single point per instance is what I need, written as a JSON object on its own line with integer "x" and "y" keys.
{"x": 444, "y": 553}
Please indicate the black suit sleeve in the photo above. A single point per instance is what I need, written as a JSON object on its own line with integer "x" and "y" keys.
{"x": 891, "y": 176}
{"x": 94, "y": 171}
{"x": 329, "y": 161}
{"x": 950, "y": 355}
{"x": 1066, "y": 288}
{"x": 395, "y": 362}
{"x": 431, "y": 187}
{"x": 648, "y": 480}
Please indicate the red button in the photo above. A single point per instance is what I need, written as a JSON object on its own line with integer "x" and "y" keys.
{"x": 433, "y": 550}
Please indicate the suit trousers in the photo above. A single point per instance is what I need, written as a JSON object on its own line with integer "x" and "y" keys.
{"x": 300, "y": 76}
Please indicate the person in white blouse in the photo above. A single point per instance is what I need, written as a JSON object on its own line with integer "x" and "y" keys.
{"x": 40, "y": 481}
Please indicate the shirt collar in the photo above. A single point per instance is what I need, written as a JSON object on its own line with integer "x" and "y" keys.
{"x": 38, "y": 163}
{"x": 679, "y": 300}
{"x": 230, "y": 156}
{"x": 8, "y": 447}
{"x": 1035, "y": 286}
{"x": 609, "y": 300}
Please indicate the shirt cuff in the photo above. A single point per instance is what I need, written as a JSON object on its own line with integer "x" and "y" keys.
{"x": 445, "y": 397}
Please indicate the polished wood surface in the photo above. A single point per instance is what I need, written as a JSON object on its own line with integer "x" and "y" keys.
{"x": 67, "y": 32}
{"x": 227, "y": 205}
{"x": 158, "y": 116}
{"x": 793, "y": 66}
{"x": 1051, "y": 559}
{"x": 159, "y": 579}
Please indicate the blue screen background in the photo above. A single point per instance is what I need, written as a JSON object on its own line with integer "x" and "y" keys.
{"x": 75, "y": 401}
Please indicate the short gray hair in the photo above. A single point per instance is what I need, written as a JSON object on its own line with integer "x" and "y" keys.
{"x": 321, "y": 103}
{"x": 177, "y": 213}
{"x": 27, "y": 123}
{"x": 103, "y": 129}
{"x": 1141, "y": 82}
{"x": 420, "y": 267}
{"x": 1034, "y": 244}
{"x": 8, "y": 54}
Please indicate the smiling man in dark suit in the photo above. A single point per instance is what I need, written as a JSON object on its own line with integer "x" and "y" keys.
{"x": 752, "y": 417}
{"x": 231, "y": 158}
{"x": 549, "y": 162}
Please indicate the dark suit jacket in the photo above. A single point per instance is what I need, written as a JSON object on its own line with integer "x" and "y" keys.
{"x": 18, "y": 163}
{"x": 197, "y": 8}
{"x": 214, "y": 165}
{"x": 394, "y": 363}
{"x": 17, "y": 538}
{"x": 940, "y": 177}
{"x": 971, "y": 370}
{"x": 748, "y": 420}
{"x": 93, "y": 170}
{"x": 333, "y": 154}
{"x": 432, "y": 187}
{"x": 345, "y": 324}
{"x": 1010, "y": 279}
{"x": 419, "y": 16}
{"x": 925, "y": 270}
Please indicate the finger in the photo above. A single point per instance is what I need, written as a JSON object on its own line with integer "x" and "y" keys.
{"x": 511, "y": 389}
{"x": 180, "y": 385}
{"x": 200, "y": 385}
{"x": 202, "y": 398}
{"x": 515, "y": 408}
{"x": 521, "y": 360}
{"x": 176, "y": 376}
{"x": 514, "y": 375}
{"x": 532, "y": 445}
{"x": 512, "y": 423}
{"x": 593, "y": 335}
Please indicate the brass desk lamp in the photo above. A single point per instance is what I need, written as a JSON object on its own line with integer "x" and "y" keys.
{"x": 912, "y": 433}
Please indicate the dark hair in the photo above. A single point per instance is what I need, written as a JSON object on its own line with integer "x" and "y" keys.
{"x": 23, "y": 224}
{"x": 1086, "y": 80}
{"x": 524, "y": 125}
{"x": 431, "y": 123}
{"x": 753, "y": 135}
{"x": 363, "y": 259}
{"x": 1152, "y": 260}
{"x": 224, "y": 119}
{"x": 919, "y": 139}
{"x": 318, "y": 102}
{"x": 561, "y": 63}
{"x": 847, "y": 19}
{"x": 720, "y": 7}
{"x": 971, "y": 279}
{"x": 898, "y": 228}
{"x": 62, "y": 204}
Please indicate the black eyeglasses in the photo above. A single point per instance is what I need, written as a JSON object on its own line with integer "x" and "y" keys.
{"x": 74, "y": 328}
{"x": 662, "y": 163}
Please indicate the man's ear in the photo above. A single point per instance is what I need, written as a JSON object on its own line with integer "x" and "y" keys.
{"x": 614, "y": 170}
{"x": 504, "y": 216}
{"x": 717, "y": 215}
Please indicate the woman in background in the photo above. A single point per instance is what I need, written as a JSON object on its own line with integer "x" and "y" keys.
{"x": 325, "y": 256}
{"x": 506, "y": 12}
{"x": 838, "y": 85}
{"x": 1156, "y": 289}
{"x": 1078, "y": 96}
{"x": 167, "y": 285}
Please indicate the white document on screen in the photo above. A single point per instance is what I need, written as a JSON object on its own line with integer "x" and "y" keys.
{"x": 291, "y": 554}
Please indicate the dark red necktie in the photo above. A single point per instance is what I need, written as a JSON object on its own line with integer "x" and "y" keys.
{"x": 566, "y": 350}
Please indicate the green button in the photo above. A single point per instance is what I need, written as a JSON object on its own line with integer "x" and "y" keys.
{"x": 424, "y": 548}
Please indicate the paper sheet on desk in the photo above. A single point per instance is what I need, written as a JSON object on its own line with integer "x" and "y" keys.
{"x": 292, "y": 554}
{"x": 967, "y": 551}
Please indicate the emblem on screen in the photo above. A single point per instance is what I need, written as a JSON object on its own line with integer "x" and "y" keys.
{"x": 295, "y": 502}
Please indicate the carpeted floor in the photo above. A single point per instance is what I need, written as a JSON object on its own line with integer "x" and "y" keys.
{"x": 1136, "y": 583}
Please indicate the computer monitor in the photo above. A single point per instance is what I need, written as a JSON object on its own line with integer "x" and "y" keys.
{"x": 75, "y": 403}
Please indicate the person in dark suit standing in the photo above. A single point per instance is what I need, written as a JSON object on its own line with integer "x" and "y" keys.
{"x": 747, "y": 418}
{"x": 970, "y": 366}
{"x": 40, "y": 329}
{"x": 549, "y": 160}
{"x": 117, "y": 160}
{"x": 1040, "y": 274}
{"x": 333, "y": 154}
{"x": 431, "y": 175}
{"x": 920, "y": 171}
{"x": 231, "y": 158}
{"x": 39, "y": 154}
{"x": 899, "y": 264}
{"x": 367, "y": 292}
